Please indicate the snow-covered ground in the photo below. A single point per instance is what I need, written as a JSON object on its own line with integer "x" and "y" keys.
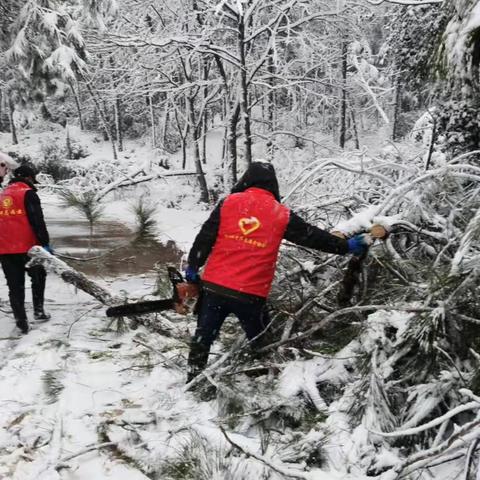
{"x": 81, "y": 400}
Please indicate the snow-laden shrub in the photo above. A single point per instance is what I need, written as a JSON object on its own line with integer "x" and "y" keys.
{"x": 407, "y": 368}
{"x": 54, "y": 163}
{"x": 144, "y": 213}
{"x": 458, "y": 127}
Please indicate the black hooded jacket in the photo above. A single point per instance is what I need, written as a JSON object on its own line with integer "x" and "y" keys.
{"x": 262, "y": 175}
{"x": 34, "y": 211}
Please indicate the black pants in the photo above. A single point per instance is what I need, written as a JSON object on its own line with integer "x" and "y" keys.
{"x": 213, "y": 311}
{"x": 14, "y": 269}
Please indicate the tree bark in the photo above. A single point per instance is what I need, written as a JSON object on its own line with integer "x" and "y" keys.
{"x": 77, "y": 104}
{"x": 118, "y": 122}
{"x": 397, "y": 109}
{"x": 203, "y": 150}
{"x": 271, "y": 106}
{"x": 204, "y": 197}
{"x": 165, "y": 126}
{"x": 103, "y": 119}
{"x": 232, "y": 142}
{"x": 68, "y": 143}
{"x": 182, "y": 132}
{"x": 13, "y": 129}
{"x": 184, "y": 152}
{"x": 1, "y": 111}
{"x": 69, "y": 275}
{"x": 343, "y": 101}
{"x": 204, "y": 119}
{"x": 152, "y": 121}
{"x": 354, "y": 125}
{"x": 432, "y": 143}
{"x": 244, "y": 104}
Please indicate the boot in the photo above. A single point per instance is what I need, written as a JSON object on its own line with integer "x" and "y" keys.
{"x": 40, "y": 315}
{"x": 22, "y": 324}
{"x": 38, "y": 276}
{"x": 197, "y": 359}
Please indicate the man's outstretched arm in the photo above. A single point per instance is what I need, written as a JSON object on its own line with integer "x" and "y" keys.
{"x": 302, "y": 233}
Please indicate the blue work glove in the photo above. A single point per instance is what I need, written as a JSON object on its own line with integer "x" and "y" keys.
{"x": 191, "y": 275}
{"x": 49, "y": 249}
{"x": 359, "y": 244}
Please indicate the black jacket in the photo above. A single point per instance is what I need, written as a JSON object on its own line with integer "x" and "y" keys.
{"x": 262, "y": 175}
{"x": 34, "y": 211}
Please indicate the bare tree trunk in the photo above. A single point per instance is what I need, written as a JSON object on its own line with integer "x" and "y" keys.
{"x": 432, "y": 142}
{"x": 103, "y": 119}
{"x": 117, "y": 107}
{"x": 69, "y": 275}
{"x": 165, "y": 126}
{"x": 13, "y": 130}
{"x": 232, "y": 142}
{"x": 107, "y": 121}
{"x": 354, "y": 125}
{"x": 184, "y": 153}
{"x": 68, "y": 143}
{"x": 118, "y": 122}
{"x": 1, "y": 111}
{"x": 271, "y": 106}
{"x": 203, "y": 150}
{"x": 196, "y": 150}
{"x": 244, "y": 105}
{"x": 397, "y": 109}
{"x": 343, "y": 101}
{"x": 152, "y": 121}
{"x": 183, "y": 132}
{"x": 204, "y": 119}
{"x": 77, "y": 104}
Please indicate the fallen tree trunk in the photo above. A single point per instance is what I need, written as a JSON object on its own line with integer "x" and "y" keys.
{"x": 69, "y": 275}
{"x": 40, "y": 256}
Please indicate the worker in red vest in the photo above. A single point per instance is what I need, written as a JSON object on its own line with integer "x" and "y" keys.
{"x": 21, "y": 227}
{"x": 239, "y": 244}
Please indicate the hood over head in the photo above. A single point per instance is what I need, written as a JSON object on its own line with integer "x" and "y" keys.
{"x": 25, "y": 171}
{"x": 259, "y": 174}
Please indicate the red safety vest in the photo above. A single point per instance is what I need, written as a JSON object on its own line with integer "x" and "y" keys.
{"x": 16, "y": 233}
{"x": 252, "y": 225}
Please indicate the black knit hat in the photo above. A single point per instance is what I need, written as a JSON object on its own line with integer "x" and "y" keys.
{"x": 26, "y": 171}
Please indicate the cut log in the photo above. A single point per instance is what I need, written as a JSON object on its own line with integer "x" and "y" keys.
{"x": 52, "y": 264}
{"x": 69, "y": 275}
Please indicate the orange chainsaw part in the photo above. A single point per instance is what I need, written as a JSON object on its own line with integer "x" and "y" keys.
{"x": 187, "y": 295}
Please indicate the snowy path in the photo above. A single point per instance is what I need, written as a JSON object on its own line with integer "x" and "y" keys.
{"x": 70, "y": 382}
{"x": 53, "y": 383}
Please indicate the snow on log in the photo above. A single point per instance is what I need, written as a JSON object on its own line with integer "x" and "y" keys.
{"x": 433, "y": 423}
{"x": 69, "y": 275}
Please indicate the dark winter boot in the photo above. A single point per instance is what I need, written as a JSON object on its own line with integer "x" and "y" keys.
{"x": 22, "y": 324}
{"x": 38, "y": 276}
{"x": 197, "y": 359}
{"x": 41, "y": 316}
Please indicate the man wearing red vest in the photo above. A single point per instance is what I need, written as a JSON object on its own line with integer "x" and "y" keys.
{"x": 241, "y": 240}
{"x": 21, "y": 227}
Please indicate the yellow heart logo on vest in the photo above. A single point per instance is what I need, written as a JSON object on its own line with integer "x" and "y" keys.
{"x": 7, "y": 202}
{"x": 249, "y": 225}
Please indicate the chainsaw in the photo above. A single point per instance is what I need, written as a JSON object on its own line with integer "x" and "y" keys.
{"x": 183, "y": 300}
